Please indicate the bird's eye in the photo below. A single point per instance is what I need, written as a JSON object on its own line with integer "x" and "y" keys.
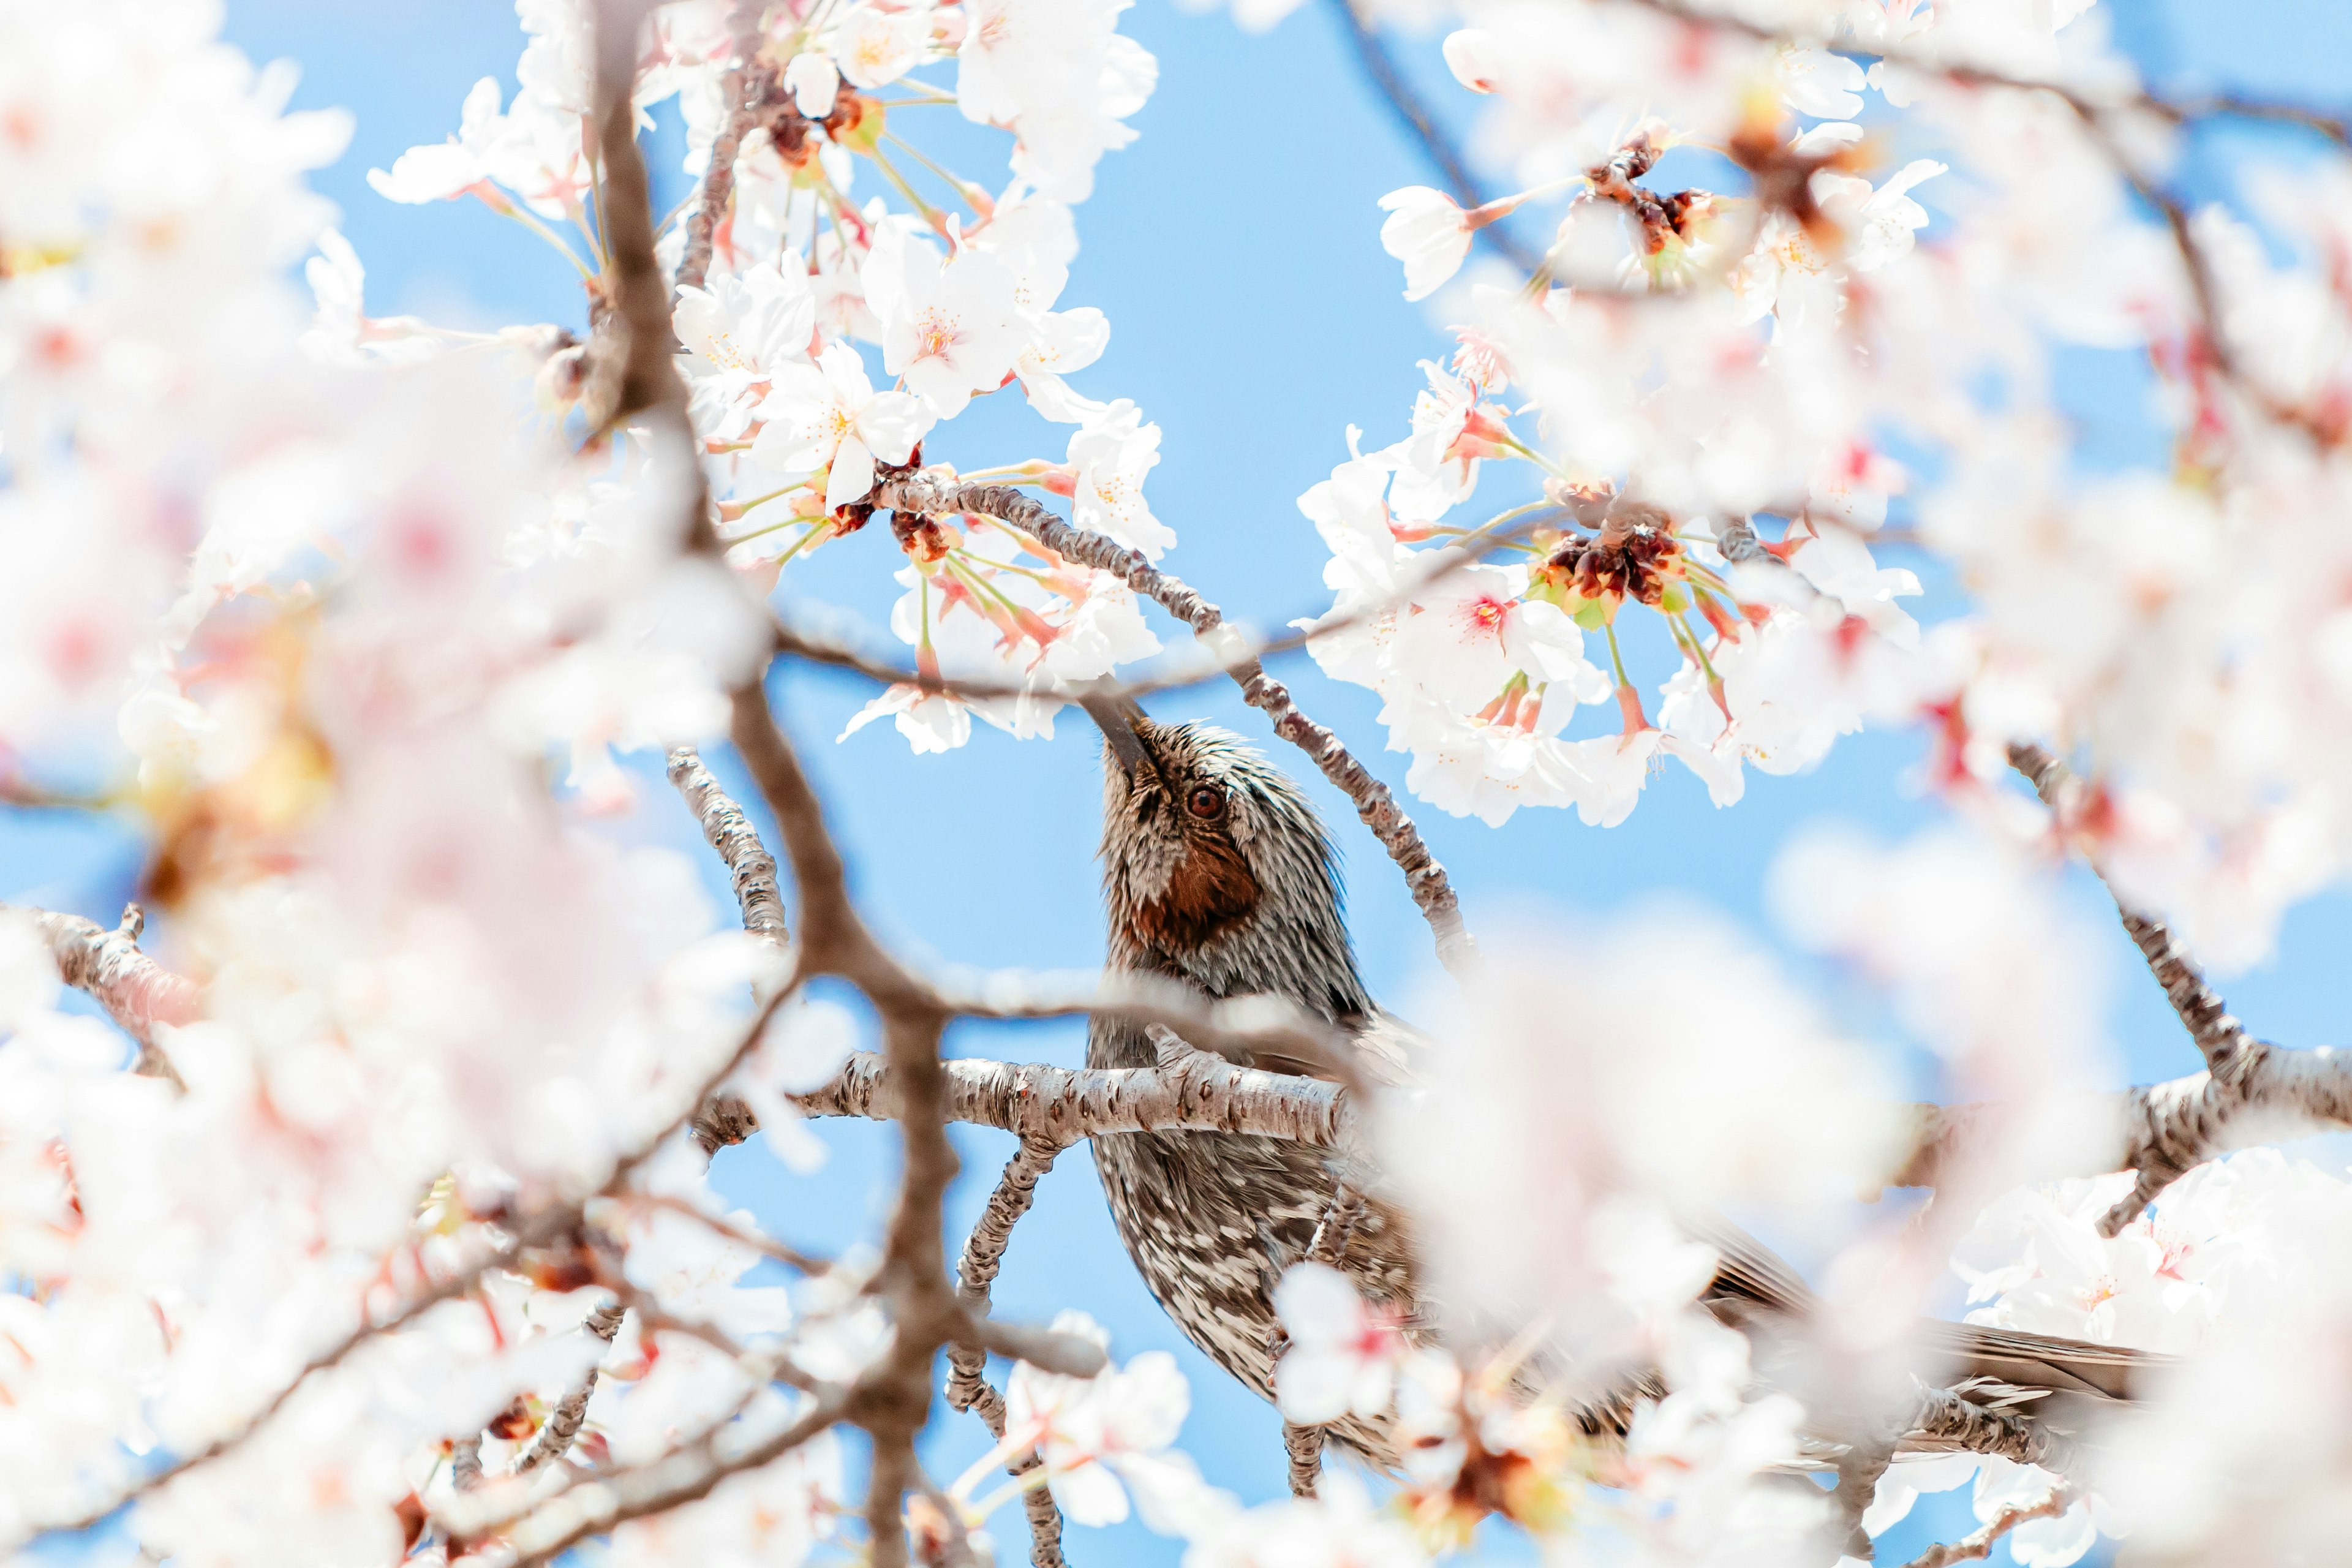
{"x": 1205, "y": 801}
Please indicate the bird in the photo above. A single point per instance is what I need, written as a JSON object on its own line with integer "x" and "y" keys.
{"x": 1218, "y": 871}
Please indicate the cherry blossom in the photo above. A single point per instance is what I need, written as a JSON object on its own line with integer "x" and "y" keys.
{"x": 1108, "y": 459}
{"x": 949, "y": 327}
{"x": 874, "y": 48}
{"x": 1107, "y": 1436}
{"x": 1342, "y": 1355}
{"x": 827, "y": 418}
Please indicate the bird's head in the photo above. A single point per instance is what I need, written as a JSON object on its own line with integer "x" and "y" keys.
{"x": 1203, "y": 839}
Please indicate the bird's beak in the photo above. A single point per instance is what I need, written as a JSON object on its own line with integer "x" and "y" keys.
{"x": 1117, "y": 717}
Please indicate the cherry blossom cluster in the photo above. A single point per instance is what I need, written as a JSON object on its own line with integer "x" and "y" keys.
{"x": 1787, "y": 346}
{"x": 807, "y": 276}
{"x": 400, "y": 1247}
{"x": 318, "y": 598}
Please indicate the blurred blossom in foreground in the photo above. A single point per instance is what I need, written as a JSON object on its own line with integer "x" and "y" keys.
{"x": 1665, "y": 1061}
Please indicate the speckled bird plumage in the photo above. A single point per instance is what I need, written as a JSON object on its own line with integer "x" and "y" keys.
{"x": 1245, "y": 900}
{"x": 1246, "y": 903}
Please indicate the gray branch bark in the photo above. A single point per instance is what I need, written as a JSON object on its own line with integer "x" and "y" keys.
{"x": 138, "y": 994}
{"x": 1063, "y": 1105}
{"x": 967, "y": 1389}
{"x": 730, "y": 833}
{"x": 1304, "y": 1444}
{"x": 563, "y": 1425}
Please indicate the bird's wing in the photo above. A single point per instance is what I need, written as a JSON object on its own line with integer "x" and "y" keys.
{"x": 2040, "y": 1361}
{"x": 1749, "y": 1270}
{"x": 1382, "y": 1042}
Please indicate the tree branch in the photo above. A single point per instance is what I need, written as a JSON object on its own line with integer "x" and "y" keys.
{"x": 1062, "y": 1105}
{"x": 730, "y": 833}
{"x": 1980, "y": 1543}
{"x": 1436, "y": 144}
{"x": 448, "y": 1289}
{"x": 1304, "y": 1444}
{"x": 741, "y": 90}
{"x": 2220, "y": 1037}
{"x": 137, "y": 992}
{"x": 2164, "y": 1131}
{"x": 1949, "y": 1420}
{"x": 937, "y": 492}
{"x": 2171, "y": 1127}
{"x": 676, "y": 1479}
{"x": 2096, "y": 116}
{"x": 983, "y": 1252}
{"x": 563, "y": 1425}
{"x": 817, "y": 647}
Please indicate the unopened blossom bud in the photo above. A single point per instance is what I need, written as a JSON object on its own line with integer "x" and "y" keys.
{"x": 1475, "y": 57}
{"x": 948, "y": 27}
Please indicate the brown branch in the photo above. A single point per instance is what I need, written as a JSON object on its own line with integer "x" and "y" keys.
{"x": 563, "y": 1425}
{"x": 1980, "y": 1543}
{"x": 726, "y": 1118}
{"x": 1858, "y": 1470}
{"x": 891, "y": 1472}
{"x": 19, "y": 794}
{"x": 2220, "y": 1039}
{"x": 2098, "y": 116}
{"x": 983, "y": 1253}
{"x": 1436, "y": 143}
{"x": 936, "y": 492}
{"x": 730, "y": 833}
{"x": 137, "y": 992}
{"x": 685, "y": 1476}
{"x": 1946, "y": 1420}
{"x": 2235, "y": 106}
{"x": 448, "y": 1289}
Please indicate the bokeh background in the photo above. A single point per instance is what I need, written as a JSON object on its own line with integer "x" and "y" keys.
{"x": 1253, "y": 317}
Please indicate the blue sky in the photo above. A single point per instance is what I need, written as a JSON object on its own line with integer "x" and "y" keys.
{"x": 1253, "y": 317}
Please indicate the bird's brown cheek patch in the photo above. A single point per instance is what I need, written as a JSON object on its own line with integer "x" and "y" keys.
{"x": 1207, "y": 890}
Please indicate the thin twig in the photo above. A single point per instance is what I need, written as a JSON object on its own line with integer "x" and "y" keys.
{"x": 138, "y": 994}
{"x": 1436, "y": 143}
{"x": 683, "y": 1477}
{"x": 466, "y": 1463}
{"x": 1979, "y": 1543}
{"x": 818, "y": 647}
{"x": 730, "y": 833}
{"x": 967, "y": 1389}
{"x": 446, "y": 1290}
{"x": 937, "y": 492}
{"x": 1064, "y": 1104}
{"x": 563, "y": 1425}
{"x": 2220, "y": 1039}
{"x": 2233, "y": 1058}
{"x": 2098, "y": 116}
